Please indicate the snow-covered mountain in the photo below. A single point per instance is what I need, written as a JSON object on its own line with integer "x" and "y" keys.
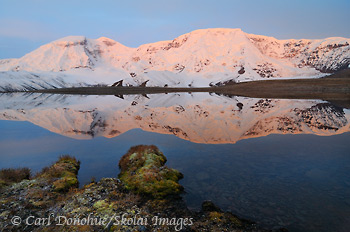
{"x": 198, "y": 118}
{"x": 199, "y": 58}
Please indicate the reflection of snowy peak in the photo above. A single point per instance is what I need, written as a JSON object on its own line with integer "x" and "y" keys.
{"x": 198, "y": 58}
{"x": 319, "y": 117}
{"x": 198, "y": 118}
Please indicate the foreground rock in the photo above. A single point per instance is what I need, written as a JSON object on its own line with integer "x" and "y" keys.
{"x": 143, "y": 171}
{"x": 145, "y": 198}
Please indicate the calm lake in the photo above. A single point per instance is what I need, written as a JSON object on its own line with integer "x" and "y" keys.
{"x": 279, "y": 162}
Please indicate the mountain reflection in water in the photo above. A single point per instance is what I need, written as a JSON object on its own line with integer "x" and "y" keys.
{"x": 300, "y": 182}
{"x": 199, "y": 118}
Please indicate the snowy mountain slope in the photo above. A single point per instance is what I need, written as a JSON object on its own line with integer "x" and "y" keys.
{"x": 23, "y": 80}
{"x": 199, "y": 58}
{"x": 328, "y": 55}
{"x": 71, "y": 52}
{"x": 208, "y": 52}
{"x": 198, "y": 118}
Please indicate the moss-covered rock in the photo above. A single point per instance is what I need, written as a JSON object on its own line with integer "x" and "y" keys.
{"x": 65, "y": 183}
{"x": 143, "y": 171}
{"x": 62, "y": 174}
{"x": 110, "y": 198}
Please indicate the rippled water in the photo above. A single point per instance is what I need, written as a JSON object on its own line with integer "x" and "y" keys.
{"x": 277, "y": 162}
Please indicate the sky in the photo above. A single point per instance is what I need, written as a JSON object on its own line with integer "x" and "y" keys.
{"x": 26, "y": 25}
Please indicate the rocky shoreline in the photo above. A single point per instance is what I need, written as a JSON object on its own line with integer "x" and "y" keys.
{"x": 146, "y": 196}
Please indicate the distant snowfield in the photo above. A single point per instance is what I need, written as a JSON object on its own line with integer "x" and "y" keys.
{"x": 198, "y": 59}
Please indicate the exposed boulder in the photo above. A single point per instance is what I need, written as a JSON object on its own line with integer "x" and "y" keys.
{"x": 143, "y": 170}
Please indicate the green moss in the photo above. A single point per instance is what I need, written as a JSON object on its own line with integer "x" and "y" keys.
{"x": 2, "y": 184}
{"x": 64, "y": 184}
{"x": 99, "y": 204}
{"x": 132, "y": 156}
{"x": 81, "y": 210}
{"x": 104, "y": 208}
{"x": 62, "y": 174}
{"x": 143, "y": 171}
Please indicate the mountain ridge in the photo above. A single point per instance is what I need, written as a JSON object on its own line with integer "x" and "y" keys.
{"x": 199, "y": 58}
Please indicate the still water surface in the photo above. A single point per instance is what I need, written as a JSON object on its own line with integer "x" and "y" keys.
{"x": 277, "y": 162}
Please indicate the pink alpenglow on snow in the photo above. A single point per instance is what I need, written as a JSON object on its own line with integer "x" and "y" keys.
{"x": 199, "y": 58}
